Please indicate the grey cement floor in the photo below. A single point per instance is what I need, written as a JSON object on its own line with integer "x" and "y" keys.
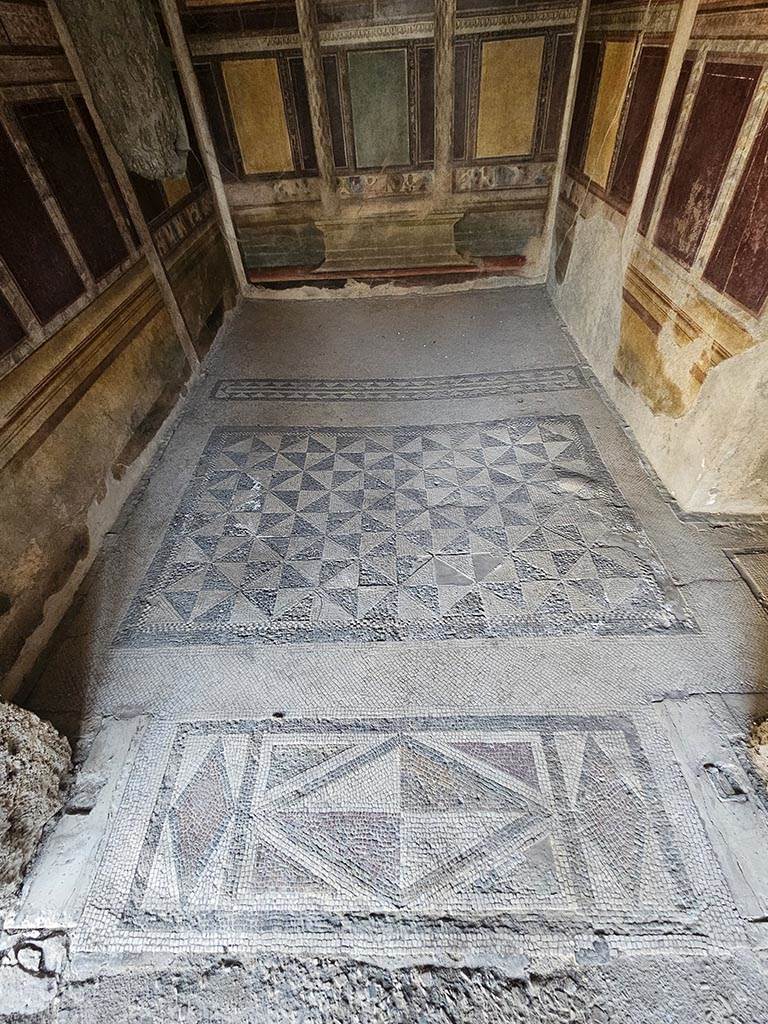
{"x": 403, "y": 693}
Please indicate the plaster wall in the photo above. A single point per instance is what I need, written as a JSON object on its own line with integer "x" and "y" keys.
{"x": 676, "y": 337}
{"x": 92, "y": 362}
{"x": 512, "y": 67}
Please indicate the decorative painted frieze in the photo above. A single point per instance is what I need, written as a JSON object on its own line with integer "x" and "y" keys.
{"x": 369, "y": 186}
{"x": 490, "y": 177}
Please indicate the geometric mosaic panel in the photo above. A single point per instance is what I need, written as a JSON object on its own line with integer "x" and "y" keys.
{"x": 498, "y": 529}
{"x": 257, "y": 827}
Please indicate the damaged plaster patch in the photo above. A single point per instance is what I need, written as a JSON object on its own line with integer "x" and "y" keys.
{"x": 130, "y": 74}
{"x": 33, "y": 761}
{"x": 757, "y": 745}
{"x": 656, "y": 990}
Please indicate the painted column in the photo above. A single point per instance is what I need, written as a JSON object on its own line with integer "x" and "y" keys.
{"x": 306, "y": 11}
{"x": 197, "y": 113}
{"x": 445, "y": 29}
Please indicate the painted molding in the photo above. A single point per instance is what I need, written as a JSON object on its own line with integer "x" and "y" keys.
{"x": 209, "y": 45}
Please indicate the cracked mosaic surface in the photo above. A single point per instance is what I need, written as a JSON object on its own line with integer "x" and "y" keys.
{"x": 389, "y": 389}
{"x": 497, "y": 529}
{"x": 251, "y": 829}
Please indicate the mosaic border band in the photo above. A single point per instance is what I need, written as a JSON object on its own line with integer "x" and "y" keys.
{"x": 399, "y": 389}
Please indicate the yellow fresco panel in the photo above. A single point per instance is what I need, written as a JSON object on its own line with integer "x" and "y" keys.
{"x": 509, "y": 93}
{"x": 253, "y": 88}
{"x": 617, "y": 64}
{"x": 175, "y": 189}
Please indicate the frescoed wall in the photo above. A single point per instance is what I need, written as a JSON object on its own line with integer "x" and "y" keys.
{"x": 512, "y": 66}
{"x": 91, "y": 364}
{"x": 667, "y": 297}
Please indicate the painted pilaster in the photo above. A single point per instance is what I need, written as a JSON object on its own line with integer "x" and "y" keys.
{"x": 579, "y": 31}
{"x": 445, "y": 30}
{"x": 306, "y": 11}
{"x": 180, "y": 50}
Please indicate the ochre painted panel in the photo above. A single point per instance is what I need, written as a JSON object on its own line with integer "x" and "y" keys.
{"x": 509, "y": 93}
{"x": 378, "y": 85}
{"x": 175, "y": 189}
{"x": 617, "y": 64}
{"x": 256, "y": 102}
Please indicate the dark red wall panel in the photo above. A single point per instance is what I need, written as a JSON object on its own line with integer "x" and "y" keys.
{"x": 222, "y": 143}
{"x": 637, "y": 123}
{"x": 670, "y": 129}
{"x": 738, "y": 265}
{"x": 718, "y": 113}
{"x": 303, "y": 116}
{"x": 61, "y": 156}
{"x": 559, "y": 89}
{"x": 11, "y": 331}
{"x": 333, "y": 94}
{"x": 425, "y": 57}
{"x": 582, "y": 111}
{"x": 29, "y": 243}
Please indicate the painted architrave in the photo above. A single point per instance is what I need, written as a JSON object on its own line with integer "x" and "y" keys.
{"x": 378, "y": 84}
{"x": 256, "y": 103}
{"x": 509, "y": 95}
{"x": 606, "y": 119}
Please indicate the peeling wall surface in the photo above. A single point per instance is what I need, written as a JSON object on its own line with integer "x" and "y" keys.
{"x": 91, "y": 365}
{"x": 665, "y": 291}
{"x": 512, "y": 65}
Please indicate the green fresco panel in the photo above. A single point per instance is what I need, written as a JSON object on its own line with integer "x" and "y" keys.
{"x": 378, "y": 84}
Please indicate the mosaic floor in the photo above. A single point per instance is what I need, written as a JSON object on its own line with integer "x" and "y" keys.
{"x": 232, "y": 832}
{"x": 389, "y": 660}
{"x": 494, "y": 529}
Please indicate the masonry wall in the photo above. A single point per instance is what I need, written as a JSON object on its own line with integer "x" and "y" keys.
{"x": 512, "y": 66}
{"x": 672, "y": 315}
{"x": 91, "y": 365}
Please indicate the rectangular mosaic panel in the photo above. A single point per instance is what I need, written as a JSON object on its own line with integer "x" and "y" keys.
{"x": 498, "y": 529}
{"x": 301, "y": 831}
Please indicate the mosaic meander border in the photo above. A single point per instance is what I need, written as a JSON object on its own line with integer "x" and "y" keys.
{"x": 393, "y": 389}
{"x": 408, "y": 828}
{"x": 498, "y": 529}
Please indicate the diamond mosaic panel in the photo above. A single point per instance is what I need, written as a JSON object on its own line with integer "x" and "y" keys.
{"x": 498, "y": 529}
{"x": 412, "y": 819}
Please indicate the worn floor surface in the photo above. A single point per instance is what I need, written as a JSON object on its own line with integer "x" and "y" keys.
{"x": 404, "y": 693}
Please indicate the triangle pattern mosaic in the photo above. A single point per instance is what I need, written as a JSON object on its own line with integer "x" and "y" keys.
{"x": 499, "y": 529}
